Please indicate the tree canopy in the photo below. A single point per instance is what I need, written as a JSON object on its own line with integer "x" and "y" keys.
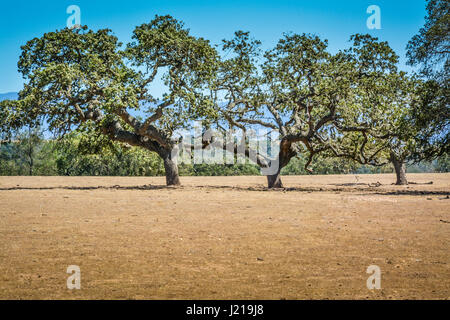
{"x": 317, "y": 101}
{"x": 80, "y": 79}
{"x": 354, "y": 104}
{"x": 430, "y": 48}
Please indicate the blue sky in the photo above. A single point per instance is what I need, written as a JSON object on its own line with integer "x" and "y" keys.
{"x": 21, "y": 20}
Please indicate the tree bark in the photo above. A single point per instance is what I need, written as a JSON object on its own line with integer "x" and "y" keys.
{"x": 171, "y": 167}
{"x": 30, "y": 152}
{"x": 274, "y": 181}
{"x": 400, "y": 171}
{"x": 285, "y": 155}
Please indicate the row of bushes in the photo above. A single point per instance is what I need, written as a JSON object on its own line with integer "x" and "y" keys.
{"x": 32, "y": 155}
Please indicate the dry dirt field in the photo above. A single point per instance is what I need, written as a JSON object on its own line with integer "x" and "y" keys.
{"x": 225, "y": 238}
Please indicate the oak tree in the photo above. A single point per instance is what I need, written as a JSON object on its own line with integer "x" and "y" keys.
{"x": 314, "y": 99}
{"x": 79, "y": 79}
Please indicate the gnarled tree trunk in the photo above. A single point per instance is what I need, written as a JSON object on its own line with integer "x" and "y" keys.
{"x": 285, "y": 155}
{"x": 171, "y": 168}
{"x": 274, "y": 181}
{"x": 400, "y": 170}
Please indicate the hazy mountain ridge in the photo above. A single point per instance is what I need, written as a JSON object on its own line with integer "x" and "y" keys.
{"x": 9, "y": 96}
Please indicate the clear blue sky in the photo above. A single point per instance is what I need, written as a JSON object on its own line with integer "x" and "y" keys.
{"x": 21, "y": 20}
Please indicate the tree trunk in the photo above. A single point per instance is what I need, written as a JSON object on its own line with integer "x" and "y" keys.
{"x": 274, "y": 181}
{"x": 171, "y": 167}
{"x": 30, "y": 152}
{"x": 30, "y": 163}
{"x": 400, "y": 171}
{"x": 285, "y": 155}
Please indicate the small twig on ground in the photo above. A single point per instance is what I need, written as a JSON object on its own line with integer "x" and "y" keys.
{"x": 376, "y": 185}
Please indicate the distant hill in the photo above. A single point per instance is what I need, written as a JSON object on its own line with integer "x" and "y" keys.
{"x": 8, "y": 96}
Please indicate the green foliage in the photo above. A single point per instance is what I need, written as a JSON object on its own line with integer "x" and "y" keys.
{"x": 188, "y": 63}
{"x": 320, "y": 165}
{"x": 412, "y": 120}
{"x": 430, "y": 47}
{"x": 28, "y": 154}
{"x": 327, "y": 107}
{"x": 219, "y": 170}
{"x": 319, "y": 102}
{"x": 71, "y": 156}
{"x": 84, "y": 80}
{"x": 443, "y": 163}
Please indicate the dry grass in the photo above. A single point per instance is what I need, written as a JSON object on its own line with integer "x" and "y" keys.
{"x": 225, "y": 238}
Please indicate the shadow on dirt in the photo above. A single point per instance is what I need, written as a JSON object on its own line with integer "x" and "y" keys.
{"x": 370, "y": 189}
{"x": 117, "y": 187}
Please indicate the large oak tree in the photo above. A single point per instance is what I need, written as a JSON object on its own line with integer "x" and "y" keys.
{"x": 83, "y": 80}
{"x": 316, "y": 100}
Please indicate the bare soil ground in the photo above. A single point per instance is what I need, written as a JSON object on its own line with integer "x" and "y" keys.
{"x": 225, "y": 237}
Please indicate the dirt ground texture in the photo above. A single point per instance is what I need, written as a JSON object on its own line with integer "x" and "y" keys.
{"x": 225, "y": 237}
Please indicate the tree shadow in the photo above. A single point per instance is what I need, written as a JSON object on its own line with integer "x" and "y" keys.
{"x": 415, "y": 193}
{"x": 370, "y": 189}
{"x": 116, "y": 187}
{"x": 358, "y": 188}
